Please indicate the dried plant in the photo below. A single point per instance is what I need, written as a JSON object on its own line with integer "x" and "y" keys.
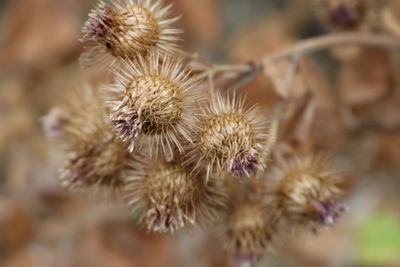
{"x": 230, "y": 139}
{"x": 167, "y": 196}
{"x": 125, "y": 29}
{"x": 153, "y": 99}
{"x": 250, "y": 228}
{"x": 306, "y": 189}
{"x": 172, "y": 155}
{"x": 94, "y": 156}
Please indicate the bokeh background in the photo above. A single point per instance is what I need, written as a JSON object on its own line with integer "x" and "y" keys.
{"x": 357, "y": 119}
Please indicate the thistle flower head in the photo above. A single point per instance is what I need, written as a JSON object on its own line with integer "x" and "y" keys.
{"x": 230, "y": 139}
{"x": 308, "y": 190}
{"x": 126, "y": 29}
{"x": 153, "y": 100}
{"x": 250, "y": 230}
{"x": 343, "y": 15}
{"x": 94, "y": 157}
{"x": 167, "y": 196}
{"x": 98, "y": 163}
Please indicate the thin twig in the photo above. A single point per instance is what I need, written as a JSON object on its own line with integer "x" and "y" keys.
{"x": 326, "y": 41}
{"x": 291, "y": 74}
{"x": 303, "y": 47}
{"x": 323, "y": 42}
{"x": 217, "y": 69}
{"x": 282, "y": 104}
{"x": 244, "y": 78}
{"x": 211, "y": 82}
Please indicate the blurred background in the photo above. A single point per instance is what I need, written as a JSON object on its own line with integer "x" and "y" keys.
{"x": 357, "y": 119}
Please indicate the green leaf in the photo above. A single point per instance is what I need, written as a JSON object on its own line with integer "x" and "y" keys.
{"x": 379, "y": 240}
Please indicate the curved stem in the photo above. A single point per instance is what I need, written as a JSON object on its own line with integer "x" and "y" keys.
{"x": 216, "y": 69}
{"x": 303, "y": 47}
{"x": 329, "y": 40}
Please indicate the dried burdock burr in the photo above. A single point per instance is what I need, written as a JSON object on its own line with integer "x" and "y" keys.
{"x": 167, "y": 196}
{"x": 344, "y": 15}
{"x": 125, "y": 29}
{"x": 250, "y": 229}
{"x": 94, "y": 157}
{"x": 153, "y": 102}
{"x": 306, "y": 191}
{"x": 230, "y": 139}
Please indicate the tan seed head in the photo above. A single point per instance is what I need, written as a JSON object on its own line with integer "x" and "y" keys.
{"x": 153, "y": 102}
{"x": 126, "y": 29}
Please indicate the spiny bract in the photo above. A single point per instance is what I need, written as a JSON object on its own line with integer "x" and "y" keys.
{"x": 153, "y": 102}
{"x": 167, "y": 196}
{"x": 249, "y": 229}
{"x": 230, "y": 139}
{"x": 125, "y": 29}
{"x": 94, "y": 156}
{"x": 306, "y": 190}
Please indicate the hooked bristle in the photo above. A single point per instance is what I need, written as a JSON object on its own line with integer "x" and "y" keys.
{"x": 250, "y": 229}
{"x": 153, "y": 101}
{"x": 94, "y": 157}
{"x": 125, "y": 29}
{"x": 230, "y": 139}
{"x": 307, "y": 191}
{"x": 168, "y": 197}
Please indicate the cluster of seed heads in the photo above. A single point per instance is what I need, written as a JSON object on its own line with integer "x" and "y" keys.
{"x": 175, "y": 153}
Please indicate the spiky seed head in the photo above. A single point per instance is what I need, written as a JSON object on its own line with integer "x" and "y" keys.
{"x": 343, "y": 15}
{"x": 307, "y": 191}
{"x": 94, "y": 157}
{"x": 249, "y": 230}
{"x": 230, "y": 139}
{"x": 167, "y": 196}
{"x": 127, "y": 28}
{"x": 153, "y": 100}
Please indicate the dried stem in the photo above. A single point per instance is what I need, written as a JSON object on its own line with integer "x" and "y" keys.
{"x": 294, "y": 67}
{"x": 247, "y": 71}
{"x": 217, "y": 69}
{"x": 390, "y": 21}
{"x": 303, "y": 47}
{"x": 243, "y": 79}
{"x": 326, "y": 41}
